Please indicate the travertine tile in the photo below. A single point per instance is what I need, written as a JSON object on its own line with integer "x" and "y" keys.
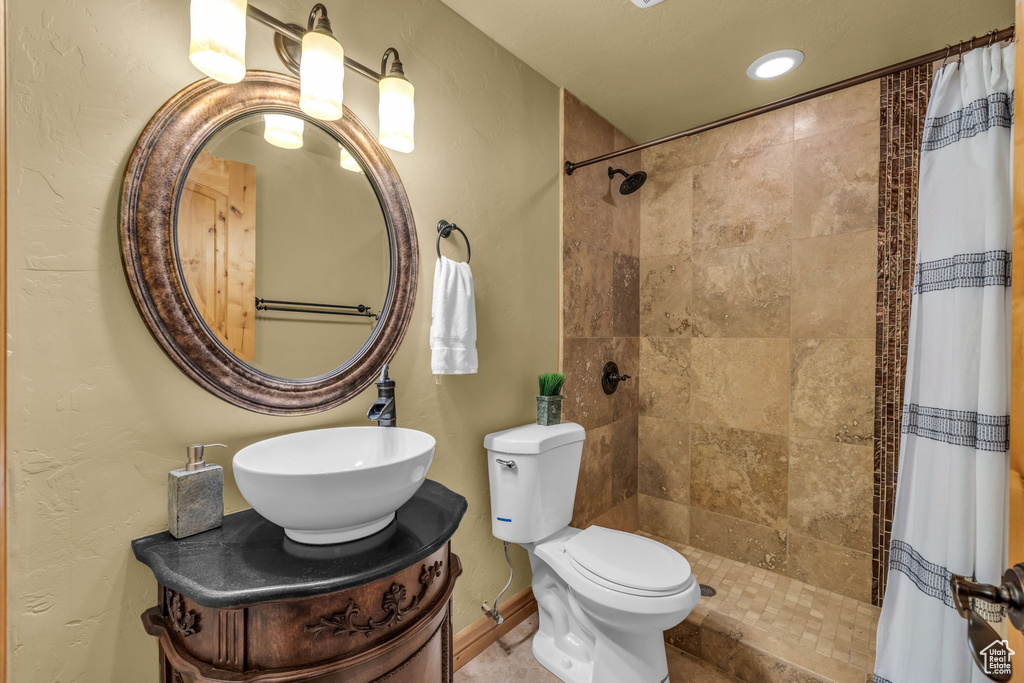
{"x": 666, "y": 213}
{"x": 744, "y": 138}
{"x": 668, "y": 157}
{"x": 594, "y": 486}
{"x": 744, "y": 201}
{"x": 587, "y": 206}
{"x": 740, "y": 474}
{"x": 625, "y": 351}
{"x": 686, "y": 668}
{"x": 737, "y": 539}
{"x": 585, "y": 130}
{"x": 665, "y": 377}
{"x": 584, "y": 401}
{"x": 625, "y": 233}
{"x": 843, "y": 109}
{"x": 833, "y": 390}
{"x": 665, "y": 459}
{"x": 830, "y": 492}
{"x": 742, "y": 291}
{"x": 836, "y": 182}
{"x": 624, "y": 517}
{"x": 665, "y": 283}
{"x": 594, "y": 212}
{"x": 625, "y": 463}
{"x": 741, "y": 383}
{"x": 508, "y": 660}
{"x": 830, "y": 566}
{"x": 586, "y": 290}
{"x": 665, "y": 518}
{"x": 625, "y": 295}
{"x": 834, "y": 286}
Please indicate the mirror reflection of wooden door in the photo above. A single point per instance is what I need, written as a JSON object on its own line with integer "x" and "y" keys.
{"x": 217, "y": 248}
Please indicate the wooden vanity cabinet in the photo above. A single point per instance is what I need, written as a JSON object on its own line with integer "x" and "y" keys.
{"x": 396, "y": 629}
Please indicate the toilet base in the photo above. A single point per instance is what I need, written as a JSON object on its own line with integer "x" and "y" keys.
{"x": 572, "y": 670}
{"x": 560, "y": 664}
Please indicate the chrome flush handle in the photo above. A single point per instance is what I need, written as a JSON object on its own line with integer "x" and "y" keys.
{"x": 510, "y": 464}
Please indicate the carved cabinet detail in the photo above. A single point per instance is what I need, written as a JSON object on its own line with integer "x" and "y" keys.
{"x": 396, "y": 629}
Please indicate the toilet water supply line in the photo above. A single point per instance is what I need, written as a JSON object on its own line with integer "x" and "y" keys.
{"x": 493, "y": 612}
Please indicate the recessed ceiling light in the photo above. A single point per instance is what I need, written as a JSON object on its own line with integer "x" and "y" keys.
{"x": 774, "y": 64}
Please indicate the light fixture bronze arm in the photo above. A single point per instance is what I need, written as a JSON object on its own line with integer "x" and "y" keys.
{"x": 288, "y": 42}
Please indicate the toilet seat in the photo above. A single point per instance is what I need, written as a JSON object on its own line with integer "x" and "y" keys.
{"x": 627, "y": 563}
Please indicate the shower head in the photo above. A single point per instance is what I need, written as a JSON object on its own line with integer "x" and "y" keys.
{"x": 633, "y": 181}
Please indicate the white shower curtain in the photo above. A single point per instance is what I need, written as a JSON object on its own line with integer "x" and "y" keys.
{"x": 952, "y": 497}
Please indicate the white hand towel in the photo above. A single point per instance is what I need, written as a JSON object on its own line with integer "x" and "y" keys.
{"x": 453, "y": 331}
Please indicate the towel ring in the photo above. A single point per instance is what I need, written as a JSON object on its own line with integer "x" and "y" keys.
{"x": 444, "y": 229}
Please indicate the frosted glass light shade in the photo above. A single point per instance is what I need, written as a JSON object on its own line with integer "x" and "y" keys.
{"x": 217, "y": 45}
{"x": 321, "y": 74}
{"x": 397, "y": 114}
{"x": 348, "y": 162}
{"x": 283, "y": 130}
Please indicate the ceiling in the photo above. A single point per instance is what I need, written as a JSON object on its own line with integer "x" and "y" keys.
{"x": 681, "y": 63}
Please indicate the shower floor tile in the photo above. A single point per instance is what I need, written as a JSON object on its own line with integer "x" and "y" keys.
{"x": 762, "y": 626}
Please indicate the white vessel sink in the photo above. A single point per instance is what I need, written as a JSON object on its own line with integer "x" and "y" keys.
{"x": 334, "y": 485}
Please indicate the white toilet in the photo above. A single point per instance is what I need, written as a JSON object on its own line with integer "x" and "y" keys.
{"x": 605, "y": 596}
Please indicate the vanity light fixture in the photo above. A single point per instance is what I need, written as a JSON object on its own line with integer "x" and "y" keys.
{"x": 774, "y": 64}
{"x": 321, "y": 69}
{"x": 397, "y": 110}
{"x": 313, "y": 54}
{"x": 217, "y": 42}
{"x": 348, "y": 162}
{"x": 283, "y": 130}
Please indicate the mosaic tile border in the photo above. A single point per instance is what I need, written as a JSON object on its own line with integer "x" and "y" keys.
{"x": 904, "y": 101}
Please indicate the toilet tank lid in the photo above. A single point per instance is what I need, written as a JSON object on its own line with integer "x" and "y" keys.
{"x": 534, "y": 438}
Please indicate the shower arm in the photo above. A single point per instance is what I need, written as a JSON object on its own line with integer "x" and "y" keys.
{"x": 959, "y": 48}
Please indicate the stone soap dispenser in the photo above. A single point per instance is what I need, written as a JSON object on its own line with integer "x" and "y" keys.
{"x": 195, "y": 494}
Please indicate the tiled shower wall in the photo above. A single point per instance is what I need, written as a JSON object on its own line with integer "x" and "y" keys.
{"x": 758, "y": 247}
{"x": 600, "y": 317}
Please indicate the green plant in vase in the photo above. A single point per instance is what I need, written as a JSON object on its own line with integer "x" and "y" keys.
{"x": 549, "y": 400}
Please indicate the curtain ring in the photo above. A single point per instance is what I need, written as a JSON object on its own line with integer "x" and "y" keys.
{"x": 946, "y": 56}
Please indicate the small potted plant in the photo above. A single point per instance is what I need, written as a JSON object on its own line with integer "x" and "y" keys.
{"x": 549, "y": 401}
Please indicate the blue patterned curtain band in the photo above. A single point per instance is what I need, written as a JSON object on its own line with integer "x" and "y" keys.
{"x": 958, "y": 427}
{"x": 996, "y": 110}
{"x": 933, "y": 579}
{"x": 988, "y": 269}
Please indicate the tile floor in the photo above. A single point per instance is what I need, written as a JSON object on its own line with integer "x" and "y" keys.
{"x": 509, "y": 660}
{"x": 813, "y": 619}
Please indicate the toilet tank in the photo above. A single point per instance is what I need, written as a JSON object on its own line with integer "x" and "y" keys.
{"x": 533, "y": 499}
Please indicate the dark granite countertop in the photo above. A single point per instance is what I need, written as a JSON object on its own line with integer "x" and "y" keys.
{"x": 250, "y": 560}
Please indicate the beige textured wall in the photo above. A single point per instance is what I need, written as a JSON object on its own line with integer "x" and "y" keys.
{"x": 600, "y": 316}
{"x": 757, "y": 299}
{"x": 98, "y": 414}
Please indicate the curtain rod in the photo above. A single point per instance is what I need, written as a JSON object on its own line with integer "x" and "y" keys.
{"x": 991, "y": 37}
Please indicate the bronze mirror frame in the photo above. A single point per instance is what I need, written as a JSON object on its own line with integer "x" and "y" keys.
{"x": 153, "y": 182}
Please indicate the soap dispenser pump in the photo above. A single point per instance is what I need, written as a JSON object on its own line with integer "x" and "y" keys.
{"x": 195, "y": 494}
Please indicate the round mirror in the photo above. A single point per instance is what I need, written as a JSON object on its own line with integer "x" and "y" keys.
{"x": 283, "y": 245}
{"x": 272, "y": 256}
